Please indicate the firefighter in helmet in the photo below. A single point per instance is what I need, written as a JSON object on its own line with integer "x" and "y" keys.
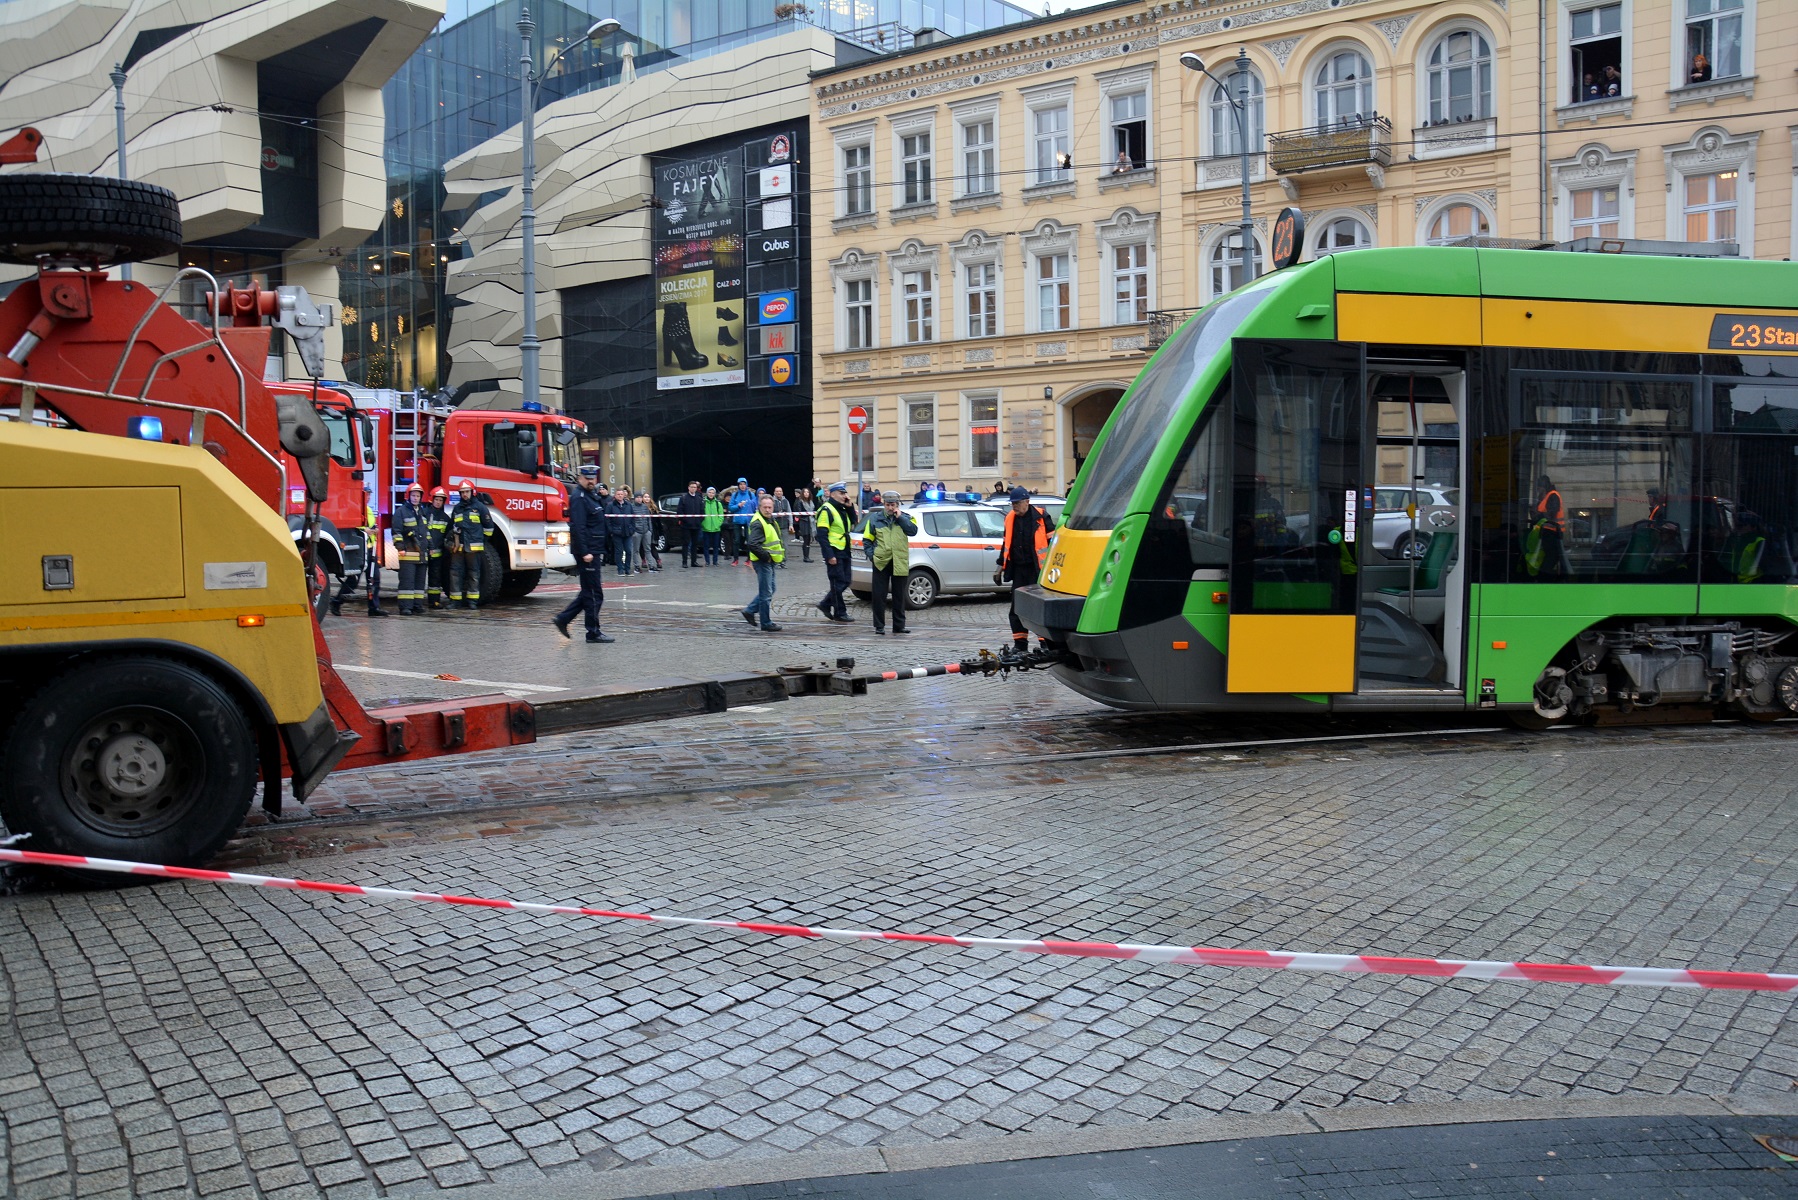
{"x": 437, "y": 523}
{"x": 410, "y": 541}
{"x": 470, "y": 527}
{"x": 372, "y": 559}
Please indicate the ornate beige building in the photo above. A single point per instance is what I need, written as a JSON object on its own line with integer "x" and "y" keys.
{"x": 1007, "y": 223}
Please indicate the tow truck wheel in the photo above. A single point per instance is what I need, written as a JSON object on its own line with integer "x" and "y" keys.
{"x": 135, "y": 758}
{"x": 112, "y": 220}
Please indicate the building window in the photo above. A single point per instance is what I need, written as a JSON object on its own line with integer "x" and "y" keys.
{"x": 917, "y": 295}
{"x": 1460, "y": 75}
{"x": 1455, "y": 222}
{"x": 920, "y": 434}
{"x": 1595, "y": 44}
{"x": 1343, "y": 233}
{"x": 1596, "y": 212}
{"x": 915, "y": 168}
{"x": 983, "y": 433}
{"x": 1050, "y": 155}
{"x": 858, "y": 180}
{"x": 1224, "y": 133}
{"x": 858, "y": 314}
{"x": 1711, "y": 207}
{"x": 1226, "y": 264}
{"x": 978, "y": 176}
{"x": 1344, "y": 88}
{"x": 1130, "y": 283}
{"x": 981, "y": 299}
{"x": 1054, "y": 293}
{"x": 1713, "y": 40}
{"x": 1129, "y": 132}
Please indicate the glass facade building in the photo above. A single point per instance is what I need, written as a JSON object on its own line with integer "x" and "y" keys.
{"x": 461, "y": 88}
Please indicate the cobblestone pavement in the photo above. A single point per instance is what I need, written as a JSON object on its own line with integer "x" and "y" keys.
{"x": 187, "y": 1039}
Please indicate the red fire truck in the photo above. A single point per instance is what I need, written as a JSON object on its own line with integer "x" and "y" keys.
{"x": 521, "y": 463}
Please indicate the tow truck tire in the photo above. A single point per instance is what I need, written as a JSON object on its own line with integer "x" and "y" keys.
{"x": 114, "y": 220}
{"x": 516, "y": 585}
{"x": 132, "y": 757}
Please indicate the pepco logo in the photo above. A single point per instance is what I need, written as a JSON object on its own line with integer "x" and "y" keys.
{"x": 775, "y": 307}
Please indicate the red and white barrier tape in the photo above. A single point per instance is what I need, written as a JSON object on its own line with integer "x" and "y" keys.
{"x": 1197, "y": 956}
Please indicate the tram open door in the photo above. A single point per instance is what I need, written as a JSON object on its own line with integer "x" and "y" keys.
{"x": 1294, "y": 590}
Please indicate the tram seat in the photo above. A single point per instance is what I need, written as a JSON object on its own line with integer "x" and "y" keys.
{"x": 1432, "y": 583}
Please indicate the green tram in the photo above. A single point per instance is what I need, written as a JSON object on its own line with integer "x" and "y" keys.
{"x": 1555, "y": 484}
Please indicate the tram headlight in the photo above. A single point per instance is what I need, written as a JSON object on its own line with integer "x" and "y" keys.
{"x": 1108, "y": 579}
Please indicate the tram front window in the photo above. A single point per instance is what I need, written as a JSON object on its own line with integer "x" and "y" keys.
{"x": 1143, "y": 419}
{"x": 1189, "y": 528}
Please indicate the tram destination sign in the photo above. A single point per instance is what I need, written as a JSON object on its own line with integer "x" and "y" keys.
{"x": 1731, "y": 331}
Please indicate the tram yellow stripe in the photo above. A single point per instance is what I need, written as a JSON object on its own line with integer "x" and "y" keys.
{"x": 1587, "y": 325}
{"x": 1410, "y": 320}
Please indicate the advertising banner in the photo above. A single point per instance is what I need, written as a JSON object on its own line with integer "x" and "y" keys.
{"x": 699, "y": 270}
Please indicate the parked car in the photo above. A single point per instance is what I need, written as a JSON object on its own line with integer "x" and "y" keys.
{"x": 1392, "y": 532}
{"x": 1050, "y": 504}
{"x": 956, "y": 550}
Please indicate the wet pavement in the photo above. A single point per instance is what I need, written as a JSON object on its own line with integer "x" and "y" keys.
{"x": 186, "y": 1039}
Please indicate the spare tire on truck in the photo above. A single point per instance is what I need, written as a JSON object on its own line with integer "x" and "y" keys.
{"x": 138, "y": 757}
{"x": 86, "y": 216}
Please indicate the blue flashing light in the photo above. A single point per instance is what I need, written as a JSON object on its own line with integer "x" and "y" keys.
{"x": 531, "y": 406}
{"x": 933, "y": 494}
{"x": 146, "y": 429}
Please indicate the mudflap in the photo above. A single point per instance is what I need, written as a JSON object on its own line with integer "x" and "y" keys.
{"x": 314, "y": 748}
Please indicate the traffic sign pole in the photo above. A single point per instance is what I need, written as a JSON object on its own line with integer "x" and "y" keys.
{"x": 858, "y": 425}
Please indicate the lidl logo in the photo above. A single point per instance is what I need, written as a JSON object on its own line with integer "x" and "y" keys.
{"x": 776, "y": 307}
{"x": 780, "y": 370}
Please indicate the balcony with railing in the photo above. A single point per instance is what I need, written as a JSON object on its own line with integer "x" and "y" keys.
{"x": 1350, "y": 143}
{"x": 1163, "y": 323}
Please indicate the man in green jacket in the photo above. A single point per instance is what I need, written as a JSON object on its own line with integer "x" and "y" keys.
{"x": 887, "y": 536}
{"x": 712, "y": 525}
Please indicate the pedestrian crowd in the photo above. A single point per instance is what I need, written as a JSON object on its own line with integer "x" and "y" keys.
{"x": 444, "y": 559}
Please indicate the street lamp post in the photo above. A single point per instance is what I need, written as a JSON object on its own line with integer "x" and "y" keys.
{"x": 529, "y": 79}
{"x": 1239, "y": 104}
{"x": 118, "y": 112}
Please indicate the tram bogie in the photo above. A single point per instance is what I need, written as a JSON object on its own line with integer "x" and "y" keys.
{"x": 1448, "y": 478}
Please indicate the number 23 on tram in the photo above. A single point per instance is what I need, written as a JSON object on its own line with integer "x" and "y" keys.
{"x": 1595, "y": 465}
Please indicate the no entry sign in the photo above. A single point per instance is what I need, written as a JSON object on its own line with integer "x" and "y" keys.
{"x": 858, "y": 420}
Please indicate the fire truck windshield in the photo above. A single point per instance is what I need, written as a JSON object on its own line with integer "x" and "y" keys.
{"x": 343, "y": 444}
{"x": 564, "y": 452}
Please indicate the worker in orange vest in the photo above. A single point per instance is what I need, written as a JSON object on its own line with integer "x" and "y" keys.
{"x": 1027, "y": 530}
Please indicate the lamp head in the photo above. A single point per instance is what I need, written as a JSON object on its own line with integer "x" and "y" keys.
{"x": 1192, "y": 62}
{"x": 603, "y": 26}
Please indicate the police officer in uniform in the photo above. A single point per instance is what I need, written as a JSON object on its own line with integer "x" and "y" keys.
{"x": 437, "y": 523}
{"x": 470, "y": 527}
{"x": 373, "y": 559}
{"x": 587, "y": 535}
{"x": 835, "y": 518}
{"x": 411, "y": 540}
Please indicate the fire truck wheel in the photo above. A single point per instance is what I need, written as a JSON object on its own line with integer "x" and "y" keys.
{"x": 129, "y": 757}
{"x": 516, "y": 585}
{"x": 112, "y": 220}
{"x": 493, "y": 575}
